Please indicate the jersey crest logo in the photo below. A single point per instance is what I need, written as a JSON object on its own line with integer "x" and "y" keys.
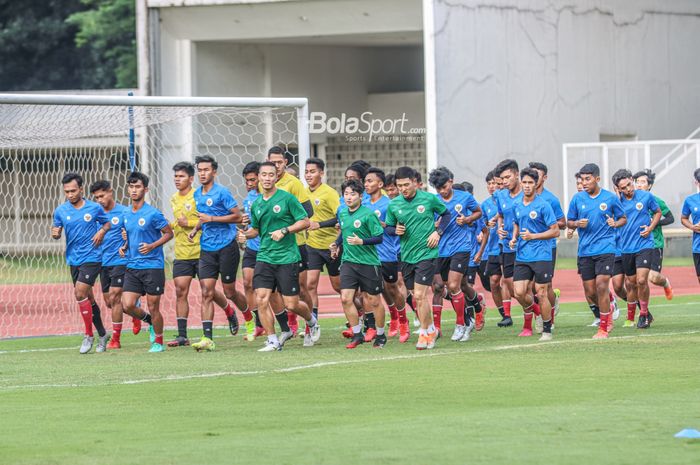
{"x": 87, "y": 217}
{"x": 603, "y": 206}
{"x": 378, "y": 213}
{"x": 142, "y": 221}
{"x": 188, "y": 206}
{"x": 276, "y": 209}
{"x": 209, "y": 202}
{"x": 115, "y": 220}
{"x": 420, "y": 209}
{"x": 458, "y": 208}
{"x": 317, "y": 201}
{"x": 68, "y": 217}
{"x": 400, "y": 211}
{"x": 639, "y": 206}
{"x": 357, "y": 223}
{"x": 533, "y": 214}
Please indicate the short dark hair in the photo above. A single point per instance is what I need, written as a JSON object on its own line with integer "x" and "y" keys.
{"x": 531, "y": 172}
{"x": 390, "y": 180}
{"x": 185, "y": 166}
{"x": 358, "y": 168}
{"x": 590, "y": 168}
{"x": 137, "y": 176}
{"x": 506, "y": 165}
{"x": 377, "y": 172}
{"x": 458, "y": 187}
{"x": 320, "y": 164}
{"x": 620, "y": 175}
{"x": 266, "y": 163}
{"x": 101, "y": 185}
{"x": 650, "y": 175}
{"x": 577, "y": 175}
{"x": 419, "y": 177}
{"x": 406, "y": 172}
{"x": 696, "y": 174}
{"x": 439, "y": 177}
{"x": 538, "y": 166}
{"x": 277, "y": 150}
{"x": 70, "y": 177}
{"x": 206, "y": 159}
{"x": 469, "y": 187}
{"x": 353, "y": 184}
{"x": 490, "y": 176}
{"x": 251, "y": 167}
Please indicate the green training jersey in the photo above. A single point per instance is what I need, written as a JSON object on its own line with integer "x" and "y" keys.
{"x": 279, "y": 211}
{"x": 365, "y": 224}
{"x": 418, "y": 215}
{"x": 657, "y": 232}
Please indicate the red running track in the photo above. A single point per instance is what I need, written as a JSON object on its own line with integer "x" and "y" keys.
{"x": 50, "y": 309}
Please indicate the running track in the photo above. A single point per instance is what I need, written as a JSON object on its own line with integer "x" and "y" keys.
{"x": 50, "y": 309}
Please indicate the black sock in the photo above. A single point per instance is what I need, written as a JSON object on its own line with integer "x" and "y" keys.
{"x": 468, "y": 314}
{"x": 474, "y": 302}
{"x": 97, "y": 320}
{"x": 409, "y": 301}
{"x": 535, "y": 299}
{"x": 315, "y": 311}
{"x": 547, "y": 326}
{"x": 595, "y": 310}
{"x": 208, "y": 328}
{"x": 370, "y": 321}
{"x": 147, "y": 318}
{"x": 283, "y": 321}
{"x": 182, "y": 327}
{"x": 258, "y": 323}
{"x": 502, "y": 312}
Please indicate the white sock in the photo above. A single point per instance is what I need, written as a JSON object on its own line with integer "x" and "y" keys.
{"x": 431, "y": 328}
{"x": 380, "y": 330}
{"x": 312, "y": 321}
{"x": 668, "y": 283}
{"x": 357, "y": 329}
{"x": 423, "y": 332}
{"x": 272, "y": 339}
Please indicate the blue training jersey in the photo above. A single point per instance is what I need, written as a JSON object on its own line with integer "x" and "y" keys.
{"x": 553, "y": 202}
{"x": 505, "y": 204}
{"x": 252, "y": 244}
{"x": 490, "y": 209}
{"x": 113, "y": 239}
{"x": 144, "y": 227}
{"x": 477, "y": 227}
{"x": 597, "y": 238}
{"x": 456, "y": 238}
{"x": 388, "y": 249}
{"x": 79, "y": 226}
{"x": 637, "y": 211}
{"x": 217, "y": 202}
{"x": 536, "y": 217}
{"x": 691, "y": 209}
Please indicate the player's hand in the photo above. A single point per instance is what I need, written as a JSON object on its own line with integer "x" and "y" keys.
{"x": 461, "y": 220}
{"x": 569, "y": 233}
{"x": 492, "y": 222}
{"x": 610, "y": 221}
{"x": 645, "y": 231}
{"x": 56, "y": 232}
{"x": 354, "y": 240}
{"x": 182, "y": 221}
{"x": 204, "y": 218}
{"x": 400, "y": 229}
{"x": 97, "y": 238}
{"x": 145, "y": 248}
{"x": 525, "y": 235}
{"x": 512, "y": 243}
{"x": 190, "y": 236}
{"x": 477, "y": 258}
{"x": 582, "y": 223}
{"x": 334, "y": 250}
{"x": 245, "y": 219}
{"x": 479, "y": 237}
{"x": 433, "y": 240}
{"x": 240, "y": 237}
{"x": 502, "y": 233}
{"x": 277, "y": 235}
{"x": 123, "y": 234}
{"x": 696, "y": 227}
{"x": 313, "y": 225}
{"x": 122, "y": 251}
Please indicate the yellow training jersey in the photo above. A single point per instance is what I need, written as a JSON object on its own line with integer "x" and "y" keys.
{"x": 183, "y": 205}
{"x": 325, "y": 202}
{"x": 292, "y": 185}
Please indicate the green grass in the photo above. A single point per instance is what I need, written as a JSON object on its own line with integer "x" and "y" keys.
{"x": 495, "y": 399}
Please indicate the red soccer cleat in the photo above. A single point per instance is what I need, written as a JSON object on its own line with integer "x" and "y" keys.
{"x": 370, "y": 334}
{"x": 357, "y": 339}
{"x": 404, "y": 332}
{"x": 601, "y": 334}
{"x": 479, "y": 320}
{"x": 393, "y": 328}
{"x": 114, "y": 344}
{"x": 259, "y": 331}
{"x": 525, "y": 333}
{"x": 668, "y": 290}
{"x": 347, "y": 333}
{"x": 135, "y": 325}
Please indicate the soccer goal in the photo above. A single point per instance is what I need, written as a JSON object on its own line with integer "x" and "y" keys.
{"x": 106, "y": 137}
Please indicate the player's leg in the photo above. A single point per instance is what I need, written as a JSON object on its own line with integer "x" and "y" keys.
{"x": 182, "y": 309}
{"x": 248, "y": 272}
{"x": 208, "y": 287}
{"x": 287, "y": 280}
{"x": 522, "y": 286}
{"x": 507, "y": 281}
{"x": 495, "y": 272}
{"x": 603, "y": 265}
{"x": 655, "y": 276}
{"x": 114, "y": 297}
{"x": 642, "y": 281}
{"x": 542, "y": 289}
{"x": 157, "y": 325}
{"x": 454, "y": 288}
{"x": 228, "y": 267}
{"x": 439, "y": 289}
{"x": 262, "y": 299}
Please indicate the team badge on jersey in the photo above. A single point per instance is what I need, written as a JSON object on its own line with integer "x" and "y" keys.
{"x": 458, "y": 208}
{"x": 533, "y": 214}
{"x": 68, "y": 217}
{"x": 639, "y": 206}
{"x": 188, "y": 206}
{"x": 142, "y": 221}
{"x": 87, "y": 217}
{"x": 276, "y": 209}
{"x": 209, "y": 202}
{"x": 115, "y": 220}
{"x": 420, "y": 209}
{"x": 603, "y": 206}
{"x": 317, "y": 201}
{"x": 378, "y": 213}
{"x": 357, "y": 223}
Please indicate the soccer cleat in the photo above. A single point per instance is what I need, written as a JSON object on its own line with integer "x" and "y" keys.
{"x": 179, "y": 341}
{"x": 650, "y": 318}
{"x": 155, "y": 347}
{"x": 642, "y": 322}
{"x": 506, "y": 321}
{"x": 285, "y": 336}
{"x": 370, "y": 334}
{"x": 114, "y": 344}
{"x": 86, "y": 346}
{"x": 432, "y": 338}
{"x": 545, "y": 337}
{"x": 539, "y": 324}
{"x": 611, "y": 324}
{"x": 379, "y": 341}
{"x": 479, "y": 319}
{"x": 102, "y": 343}
{"x": 308, "y": 341}
{"x": 135, "y": 326}
{"x": 151, "y": 334}
{"x": 249, "y": 330}
{"x": 467, "y": 333}
{"x": 356, "y": 340}
{"x": 629, "y": 324}
{"x": 458, "y": 332}
{"x": 347, "y": 333}
{"x": 525, "y": 333}
{"x": 233, "y": 325}
{"x": 416, "y": 322}
{"x": 404, "y": 332}
{"x": 259, "y": 331}
{"x": 601, "y": 334}
{"x": 557, "y": 294}
{"x": 595, "y": 323}
{"x": 315, "y": 331}
{"x": 393, "y": 328}
{"x": 270, "y": 347}
{"x": 204, "y": 345}
{"x": 422, "y": 343}
{"x": 615, "y": 309}
{"x": 668, "y": 290}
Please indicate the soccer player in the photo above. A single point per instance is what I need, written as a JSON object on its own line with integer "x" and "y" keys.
{"x": 690, "y": 218}
{"x": 219, "y": 256}
{"x": 644, "y": 180}
{"x": 596, "y": 213}
{"x": 494, "y": 267}
{"x": 147, "y": 231}
{"x": 321, "y": 232}
{"x": 390, "y": 187}
{"x": 388, "y": 251}
{"x": 360, "y": 232}
{"x": 86, "y": 225}
{"x": 637, "y": 243}
{"x": 535, "y": 225}
{"x": 276, "y": 216}
{"x": 113, "y": 265}
{"x": 478, "y": 258}
{"x": 187, "y": 253}
{"x": 453, "y": 251}
{"x": 412, "y": 217}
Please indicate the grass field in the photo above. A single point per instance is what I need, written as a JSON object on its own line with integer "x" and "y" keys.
{"x": 495, "y": 399}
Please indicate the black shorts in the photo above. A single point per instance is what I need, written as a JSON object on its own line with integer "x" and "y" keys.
{"x": 472, "y": 271}
{"x": 458, "y": 262}
{"x": 189, "y": 268}
{"x": 483, "y": 276}
{"x": 422, "y": 272}
{"x": 250, "y": 257}
{"x": 541, "y": 271}
{"x": 223, "y": 261}
{"x": 112, "y": 276}
{"x": 85, "y": 272}
{"x": 657, "y": 260}
{"x": 493, "y": 266}
{"x": 390, "y": 272}
{"x": 597, "y": 265}
{"x": 508, "y": 262}
{"x": 150, "y": 281}
{"x": 641, "y": 259}
{"x": 618, "y": 269}
{"x": 304, "y": 263}
{"x": 696, "y": 260}
{"x": 318, "y": 258}
{"x": 554, "y": 260}
{"x": 282, "y": 278}
{"x": 366, "y": 278}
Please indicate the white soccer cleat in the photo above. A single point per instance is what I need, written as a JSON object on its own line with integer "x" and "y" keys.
{"x": 102, "y": 343}
{"x": 416, "y": 323}
{"x": 458, "y": 332}
{"x": 467, "y": 333}
{"x": 595, "y": 323}
{"x": 615, "y": 309}
{"x": 546, "y": 337}
{"x": 539, "y": 324}
{"x": 270, "y": 347}
{"x": 308, "y": 340}
{"x": 316, "y": 332}
{"x": 285, "y": 336}
{"x": 86, "y": 346}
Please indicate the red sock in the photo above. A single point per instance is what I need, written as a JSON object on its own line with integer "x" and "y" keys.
{"x": 292, "y": 318}
{"x": 247, "y": 314}
{"x": 611, "y": 296}
{"x": 527, "y": 321}
{"x": 604, "y": 317}
{"x": 437, "y": 315}
{"x": 159, "y": 339}
{"x": 644, "y": 308}
{"x": 506, "y": 308}
{"x": 229, "y": 310}
{"x": 402, "y": 316}
{"x": 394, "y": 312}
{"x": 458, "y": 305}
{"x": 85, "y": 308}
{"x": 536, "y": 309}
{"x": 631, "y": 310}
{"x": 116, "y": 331}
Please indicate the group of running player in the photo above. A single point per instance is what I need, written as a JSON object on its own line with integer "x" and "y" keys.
{"x": 384, "y": 238}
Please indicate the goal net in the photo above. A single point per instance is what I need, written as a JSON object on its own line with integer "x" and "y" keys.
{"x": 44, "y": 136}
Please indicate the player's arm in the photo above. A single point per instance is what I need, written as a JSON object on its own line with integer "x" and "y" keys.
{"x": 646, "y": 230}
{"x": 685, "y": 221}
{"x": 469, "y": 220}
{"x": 572, "y": 220}
{"x": 482, "y": 246}
{"x": 376, "y": 231}
{"x": 57, "y": 227}
{"x": 335, "y": 245}
{"x": 666, "y": 218}
{"x": 329, "y": 223}
{"x": 516, "y": 232}
{"x": 166, "y": 235}
{"x": 443, "y": 222}
{"x": 234, "y": 216}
